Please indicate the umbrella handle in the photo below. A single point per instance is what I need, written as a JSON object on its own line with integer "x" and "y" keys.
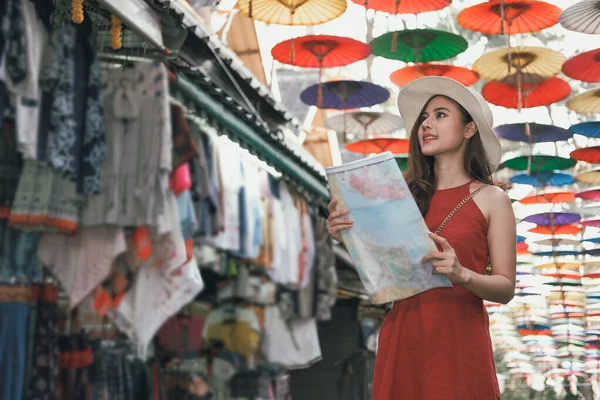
{"x": 320, "y": 87}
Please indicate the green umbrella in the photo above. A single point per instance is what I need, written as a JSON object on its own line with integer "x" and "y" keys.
{"x": 418, "y": 45}
{"x": 540, "y": 163}
{"x": 402, "y": 162}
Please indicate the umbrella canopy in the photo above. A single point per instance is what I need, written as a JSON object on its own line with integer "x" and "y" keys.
{"x": 403, "y": 6}
{"x": 345, "y": 94}
{"x": 538, "y": 133}
{"x": 402, "y": 162}
{"x": 555, "y": 242}
{"x": 589, "y": 129}
{"x": 509, "y": 16}
{"x": 292, "y": 12}
{"x": 365, "y": 123}
{"x": 594, "y": 222}
{"x": 549, "y": 198}
{"x": 554, "y": 178}
{"x": 418, "y": 45}
{"x": 590, "y": 176}
{"x": 587, "y": 154}
{"x": 379, "y": 145}
{"x": 556, "y": 253}
{"x": 405, "y": 75}
{"x": 320, "y": 51}
{"x": 587, "y": 102}
{"x": 556, "y": 230}
{"x": 498, "y": 66}
{"x": 549, "y": 219}
{"x": 589, "y": 194}
{"x": 544, "y": 93}
{"x": 582, "y": 17}
{"x": 539, "y": 163}
{"x": 584, "y": 67}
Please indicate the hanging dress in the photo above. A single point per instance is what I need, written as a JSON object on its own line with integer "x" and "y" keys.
{"x": 436, "y": 345}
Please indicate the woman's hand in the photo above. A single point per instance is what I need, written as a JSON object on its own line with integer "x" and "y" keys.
{"x": 337, "y": 221}
{"x": 446, "y": 263}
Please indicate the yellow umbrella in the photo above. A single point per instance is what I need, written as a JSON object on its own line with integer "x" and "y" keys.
{"x": 587, "y": 102}
{"x": 516, "y": 63}
{"x": 589, "y": 176}
{"x": 292, "y": 12}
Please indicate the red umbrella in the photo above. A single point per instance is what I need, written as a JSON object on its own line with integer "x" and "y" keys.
{"x": 509, "y": 16}
{"x": 379, "y": 145}
{"x": 587, "y": 154}
{"x": 549, "y": 198}
{"x": 320, "y": 51}
{"x": 544, "y": 93}
{"x": 405, "y": 75}
{"x": 556, "y": 230}
{"x": 592, "y": 193}
{"x": 584, "y": 67}
{"x": 404, "y": 6}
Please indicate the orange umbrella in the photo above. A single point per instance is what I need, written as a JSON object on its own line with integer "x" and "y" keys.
{"x": 403, "y": 6}
{"x": 544, "y": 93}
{"x": 379, "y": 145}
{"x": 509, "y": 16}
{"x": 405, "y": 75}
{"x": 556, "y": 230}
{"x": 549, "y": 198}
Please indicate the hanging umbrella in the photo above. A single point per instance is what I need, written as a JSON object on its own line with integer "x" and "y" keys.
{"x": 418, "y": 45}
{"x": 589, "y": 194}
{"x": 379, "y": 145}
{"x": 589, "y": 129}
{"x": 365, "y": 123}
{"x": 539, "y": 163}
{"x": 511, "y": 64}
{"x": 556, "y": 230}
{"x": 553, "y": 218}
{"x": 587, "y": 102}
{"x": 292, "y": 12}
{"x": 584, "y": 67}
{"x": 320, "y": 51}
{"x": 345, "y": 94}
{"x": 555, "y": 242}
{"x": 549, "y": 198}
{"x": 593, "y": 222}
{"x": 554, "y": 178}
{"x": 538, "y": 133}
{"x": 509, "y": 16}
{"x": 544, "y": 93}
{"x": 590, "y": 176}
{"x": 556, "y": 253}
{"x": 402, "y": 162}
{"x": 405, "y": 75}
{"x": 403, "y": 6}
{"x": 582, "y": 17}
{"x": 587, "y": 154}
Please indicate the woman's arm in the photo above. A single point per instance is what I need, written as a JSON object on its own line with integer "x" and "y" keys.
{"x": 502, "y": 232}
{"x": 500, "y": 286}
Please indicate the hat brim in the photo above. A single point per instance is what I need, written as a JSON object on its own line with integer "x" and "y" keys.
{"x": 414, "y": 96}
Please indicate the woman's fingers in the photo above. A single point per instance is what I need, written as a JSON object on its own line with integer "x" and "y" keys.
{"x": 340, "y": 221}
{"x": 331, "y": 206}
{"x": 337, "y": 214}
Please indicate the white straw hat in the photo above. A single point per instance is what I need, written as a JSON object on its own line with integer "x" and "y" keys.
{"x": 416, "y": 94}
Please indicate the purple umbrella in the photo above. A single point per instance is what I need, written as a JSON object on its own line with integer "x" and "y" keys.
{"x": 549, "y": 219}
{"x": 538, "y": 132}
{"x": 343, "y": 95}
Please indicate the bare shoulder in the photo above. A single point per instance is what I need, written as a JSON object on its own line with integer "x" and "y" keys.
{"x": 491, "y": 200}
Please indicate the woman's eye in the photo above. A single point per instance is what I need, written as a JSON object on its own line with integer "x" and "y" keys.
{"x": 441, "y": 115}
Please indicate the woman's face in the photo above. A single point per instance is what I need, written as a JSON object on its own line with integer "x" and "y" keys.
{"x": 442, "y": 129}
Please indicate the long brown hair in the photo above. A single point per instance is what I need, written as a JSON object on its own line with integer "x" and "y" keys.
{"x": 420, "y": 175}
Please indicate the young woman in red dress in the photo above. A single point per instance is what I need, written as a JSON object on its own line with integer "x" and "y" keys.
{"x": 436, "y": 345}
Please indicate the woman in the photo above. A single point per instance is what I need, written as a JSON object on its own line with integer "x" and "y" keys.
{"x": 436, "y": 345}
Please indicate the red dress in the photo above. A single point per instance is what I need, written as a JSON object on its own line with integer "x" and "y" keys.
{"x": 436, "y": 345}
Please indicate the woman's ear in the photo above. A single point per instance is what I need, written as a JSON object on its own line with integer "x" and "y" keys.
{"x": 470, "y": 130}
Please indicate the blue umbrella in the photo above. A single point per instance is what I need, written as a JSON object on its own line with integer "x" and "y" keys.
{"x": 592, "y": 240}
{"x": 343, "y": 95}
{"x": 591, "y": 252}
{"x": 521, "y": 239}
{"x": 554, "y": 178}
{"x": 589, "y": 129}
{"x": 556, "y": 253}
{"x": 539, "y": 133}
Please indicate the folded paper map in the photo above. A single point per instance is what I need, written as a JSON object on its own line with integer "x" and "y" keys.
{"x": 389, "y": 236}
